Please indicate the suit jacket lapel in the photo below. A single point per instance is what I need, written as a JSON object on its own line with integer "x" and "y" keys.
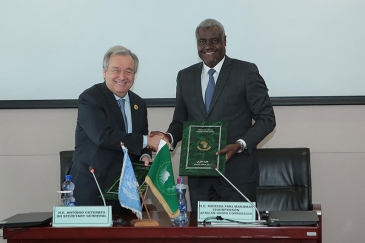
{"x": 134, "y": 107}
{"x": 113, "y": 103}
{"x": 221, "y": 82}
{"x": 198, "y": 87}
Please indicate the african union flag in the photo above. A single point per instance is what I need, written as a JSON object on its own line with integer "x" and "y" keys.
{"x": 161, "y": 180}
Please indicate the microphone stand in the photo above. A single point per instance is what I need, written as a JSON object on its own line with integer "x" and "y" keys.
{"x": 91, "y": 169}
{"x": 214, "y": 167}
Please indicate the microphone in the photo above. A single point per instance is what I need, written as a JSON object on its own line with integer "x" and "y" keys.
{"x": 214, "y": 167}
{"x": 91, "y": 169}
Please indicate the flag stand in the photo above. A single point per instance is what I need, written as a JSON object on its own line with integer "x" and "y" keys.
{"x": 144, "y": 222}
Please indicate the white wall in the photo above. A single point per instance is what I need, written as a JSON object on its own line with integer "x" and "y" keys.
{"x": 30, "y": 141}
{"x": 302, "y": 48}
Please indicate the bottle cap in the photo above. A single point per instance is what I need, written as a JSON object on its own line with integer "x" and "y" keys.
{"x": 178, "y": 180}
{"x": 68, "y": 177}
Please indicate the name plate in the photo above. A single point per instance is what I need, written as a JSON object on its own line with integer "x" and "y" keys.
{"x": 228, "y": 212}
{"x": 82, "y": 216}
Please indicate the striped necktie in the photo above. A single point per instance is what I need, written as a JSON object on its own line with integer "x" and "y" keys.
{"x": 121, "y": 103}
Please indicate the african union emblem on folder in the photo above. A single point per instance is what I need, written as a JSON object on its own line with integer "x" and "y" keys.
{"x": 200, "y": 142}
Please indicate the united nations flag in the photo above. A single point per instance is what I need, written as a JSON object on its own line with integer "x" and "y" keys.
{"x": 128, "y": 188}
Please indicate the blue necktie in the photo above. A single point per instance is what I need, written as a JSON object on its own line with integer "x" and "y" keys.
{"x": 210, "y": 89}
{"x": 121, "y": 103}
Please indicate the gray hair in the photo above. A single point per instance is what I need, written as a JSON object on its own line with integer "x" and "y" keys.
{"x": 208, "y": 23}
{"x": 122, "y": 51}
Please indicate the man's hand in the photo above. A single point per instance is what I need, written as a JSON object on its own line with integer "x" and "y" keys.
{"x": 230, "y": 150}
{"x": 162, "y": 135}
{"x": 153, "y": 142}
{"x": 146, "y": 159}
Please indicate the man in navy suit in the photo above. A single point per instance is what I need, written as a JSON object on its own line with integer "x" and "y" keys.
{"x": 102, "y": 126}
{"x": 240, "y": 97}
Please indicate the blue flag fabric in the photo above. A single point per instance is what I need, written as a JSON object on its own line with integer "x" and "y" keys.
{"x": 128, "y": 188}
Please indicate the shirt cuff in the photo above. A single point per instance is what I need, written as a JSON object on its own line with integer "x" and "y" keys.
{"x": 172, "y": 145}
{"x": 144, "y": 142}
{"x": 243, "y": 145}
{"x": 140, "y": 159}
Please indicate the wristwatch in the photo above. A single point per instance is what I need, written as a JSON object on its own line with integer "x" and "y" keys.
{"x": 241, "y": 143}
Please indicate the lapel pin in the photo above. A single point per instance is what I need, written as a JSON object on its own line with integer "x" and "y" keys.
{"x": 135, "y": 107}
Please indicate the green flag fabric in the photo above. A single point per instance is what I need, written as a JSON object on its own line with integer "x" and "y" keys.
{"x": 160, "y": 179}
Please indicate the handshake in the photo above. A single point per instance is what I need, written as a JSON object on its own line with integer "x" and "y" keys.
{"x": 153, "y": 140}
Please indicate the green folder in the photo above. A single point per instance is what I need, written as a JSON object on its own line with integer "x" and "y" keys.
{"x": 200, "y": 142}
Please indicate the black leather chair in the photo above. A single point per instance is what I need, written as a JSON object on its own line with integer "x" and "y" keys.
{"x": 285, "y": 179}
{"x": 65, "y": 163}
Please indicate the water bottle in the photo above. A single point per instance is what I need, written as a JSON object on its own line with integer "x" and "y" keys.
{"x": 182, "y": 219}
{"x": 68, "y": 198}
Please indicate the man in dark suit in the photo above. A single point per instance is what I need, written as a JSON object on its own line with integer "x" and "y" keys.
{"x": 240, "y": 96}
{"x": 102, "y": 124}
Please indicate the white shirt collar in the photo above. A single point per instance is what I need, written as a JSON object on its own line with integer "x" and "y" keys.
{"x": 217, "y": 67}
{"x": 126, "y": 97}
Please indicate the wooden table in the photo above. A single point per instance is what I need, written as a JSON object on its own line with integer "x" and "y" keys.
{"x": 167, "y": 233}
